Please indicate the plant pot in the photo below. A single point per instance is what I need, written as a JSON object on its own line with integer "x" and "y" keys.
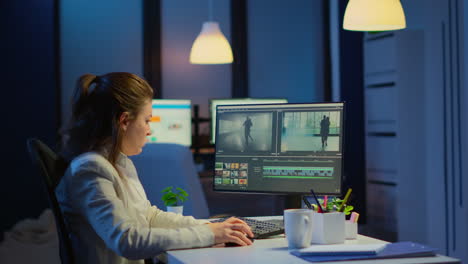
{"x": 175, "y": 209}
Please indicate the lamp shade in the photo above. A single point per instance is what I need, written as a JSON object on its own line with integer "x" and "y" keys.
{"x": 211, "y": 47}
{"x": 374, "y": 15}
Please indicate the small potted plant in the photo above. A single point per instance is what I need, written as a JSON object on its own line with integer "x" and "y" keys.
{"x": 173, "y": 200}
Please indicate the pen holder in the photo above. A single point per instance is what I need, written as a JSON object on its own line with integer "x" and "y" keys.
{"x": 351, "y": 229}
{"x": 328, "y": 228}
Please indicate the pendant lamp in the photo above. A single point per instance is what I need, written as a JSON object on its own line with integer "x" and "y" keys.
{"x": 374, "y": 15}
{"x": 211, "y": 46}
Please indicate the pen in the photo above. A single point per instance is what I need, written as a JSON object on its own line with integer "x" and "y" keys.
{"x": 320, "y": 210}
{"x": 304, "y": 198}
{"x": 345, "y": 200}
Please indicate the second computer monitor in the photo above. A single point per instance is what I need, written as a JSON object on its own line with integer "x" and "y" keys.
{"x": 171, "y": 122}
{"x": 237, "y": 101}
{"x": 287, "y": 148}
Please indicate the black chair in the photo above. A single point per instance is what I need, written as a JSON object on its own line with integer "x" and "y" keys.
{"x": 52, "y": 168}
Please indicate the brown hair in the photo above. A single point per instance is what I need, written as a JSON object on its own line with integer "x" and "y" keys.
{"x": 98, "y": 103}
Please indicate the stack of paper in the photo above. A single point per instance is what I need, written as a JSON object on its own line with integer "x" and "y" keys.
{"x": 324, "y": 250}
{"x": 318, "y": 253}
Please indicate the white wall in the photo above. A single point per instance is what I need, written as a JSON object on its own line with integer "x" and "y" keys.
{"x": 285, "y": 49}
{"x": 98, "y": 37}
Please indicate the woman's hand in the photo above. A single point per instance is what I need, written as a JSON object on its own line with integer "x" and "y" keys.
{"x": 232, "y": 230}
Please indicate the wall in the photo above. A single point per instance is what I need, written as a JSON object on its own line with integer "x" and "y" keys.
{"x": 444, "y": 157}
{"x": 98, "y": 37}
{"x": 464, "y": 98}
{"x": 350, "y": 67}
{"x": 444, "y": 117}
{"x": 29, "y": 103}
{"x": 109, "y": 37}
{"x": 282, "y": 56}
{"x": 181, "y": 23}
{"x": 285, "y": 49}
{"x": 445, "y": 120}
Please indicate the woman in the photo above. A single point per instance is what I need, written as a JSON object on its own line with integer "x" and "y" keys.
{"x": 103, "y": 201}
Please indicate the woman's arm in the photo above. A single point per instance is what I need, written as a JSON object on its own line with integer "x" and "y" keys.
{"x": 95, "y": 198}
{"x": 159, "y": 218}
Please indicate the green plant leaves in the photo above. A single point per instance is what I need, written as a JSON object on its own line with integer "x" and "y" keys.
{"x": 182, "y": 192}
{"x": 348, "y": 209}
{"x": 167, "y": 189}
{"x": 171, "y": 198}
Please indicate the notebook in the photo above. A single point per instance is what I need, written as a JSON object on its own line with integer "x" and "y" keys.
{"x": 391, "y": 250}
{"x": 357, "y": 249}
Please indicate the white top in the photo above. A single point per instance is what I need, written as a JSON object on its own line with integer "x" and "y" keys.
{"x": 111, "y": 219}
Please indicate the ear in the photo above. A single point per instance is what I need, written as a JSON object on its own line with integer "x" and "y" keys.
{"x": 124, "y": 120}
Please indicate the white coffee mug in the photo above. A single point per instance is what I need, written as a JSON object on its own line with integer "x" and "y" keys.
{"x": 298, "y": 227}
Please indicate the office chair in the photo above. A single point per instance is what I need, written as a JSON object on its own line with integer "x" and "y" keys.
{"x": 162, "y": 165}
{"x": 52, "y": 168}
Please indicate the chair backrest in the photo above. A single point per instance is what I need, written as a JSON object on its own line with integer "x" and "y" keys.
{"x": 52, "y": 168}
{"x": 162, "y": 165}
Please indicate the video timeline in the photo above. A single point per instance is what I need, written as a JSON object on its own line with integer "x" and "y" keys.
{"x": 303, "y": 172}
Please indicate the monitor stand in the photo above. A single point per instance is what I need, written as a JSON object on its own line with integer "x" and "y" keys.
{"x": 292, "y": 201}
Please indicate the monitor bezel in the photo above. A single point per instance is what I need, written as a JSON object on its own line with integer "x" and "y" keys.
{"x": 342, "y": 178}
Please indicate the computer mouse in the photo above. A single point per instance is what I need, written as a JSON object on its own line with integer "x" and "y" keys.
{"x": 233, "y": 244}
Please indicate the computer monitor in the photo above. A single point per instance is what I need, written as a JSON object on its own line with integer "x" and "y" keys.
{"x": 171, "y": 122}
{"x": 237, "y": 101}
{"x": 286, "y": 148}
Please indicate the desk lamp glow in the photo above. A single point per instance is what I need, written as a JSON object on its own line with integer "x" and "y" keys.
{"x": 211, "y": 46}
{"x": 374, "y": 15}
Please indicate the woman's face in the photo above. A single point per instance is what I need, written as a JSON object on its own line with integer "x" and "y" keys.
{"x": 135, "y": 131}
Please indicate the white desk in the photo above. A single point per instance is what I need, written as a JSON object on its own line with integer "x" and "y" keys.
{"x": 275, "y": 250}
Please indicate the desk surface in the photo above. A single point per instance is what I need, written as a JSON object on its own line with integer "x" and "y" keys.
{"x": 275, "y": 250}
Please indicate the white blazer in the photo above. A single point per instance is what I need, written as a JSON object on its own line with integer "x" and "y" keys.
{"x": 111, "y": 219}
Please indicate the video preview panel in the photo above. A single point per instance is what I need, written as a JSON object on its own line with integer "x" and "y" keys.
{"x": 244, "y": 132}
{"x": 311, "y": 131}
{"x": 237, "y": 101}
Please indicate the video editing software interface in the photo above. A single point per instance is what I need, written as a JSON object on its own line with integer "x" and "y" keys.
{"x": 287, "y": 148}
{"x": 171, "y": 122}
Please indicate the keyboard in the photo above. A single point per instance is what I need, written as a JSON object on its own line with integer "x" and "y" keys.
{"x": 261, "y": 228}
